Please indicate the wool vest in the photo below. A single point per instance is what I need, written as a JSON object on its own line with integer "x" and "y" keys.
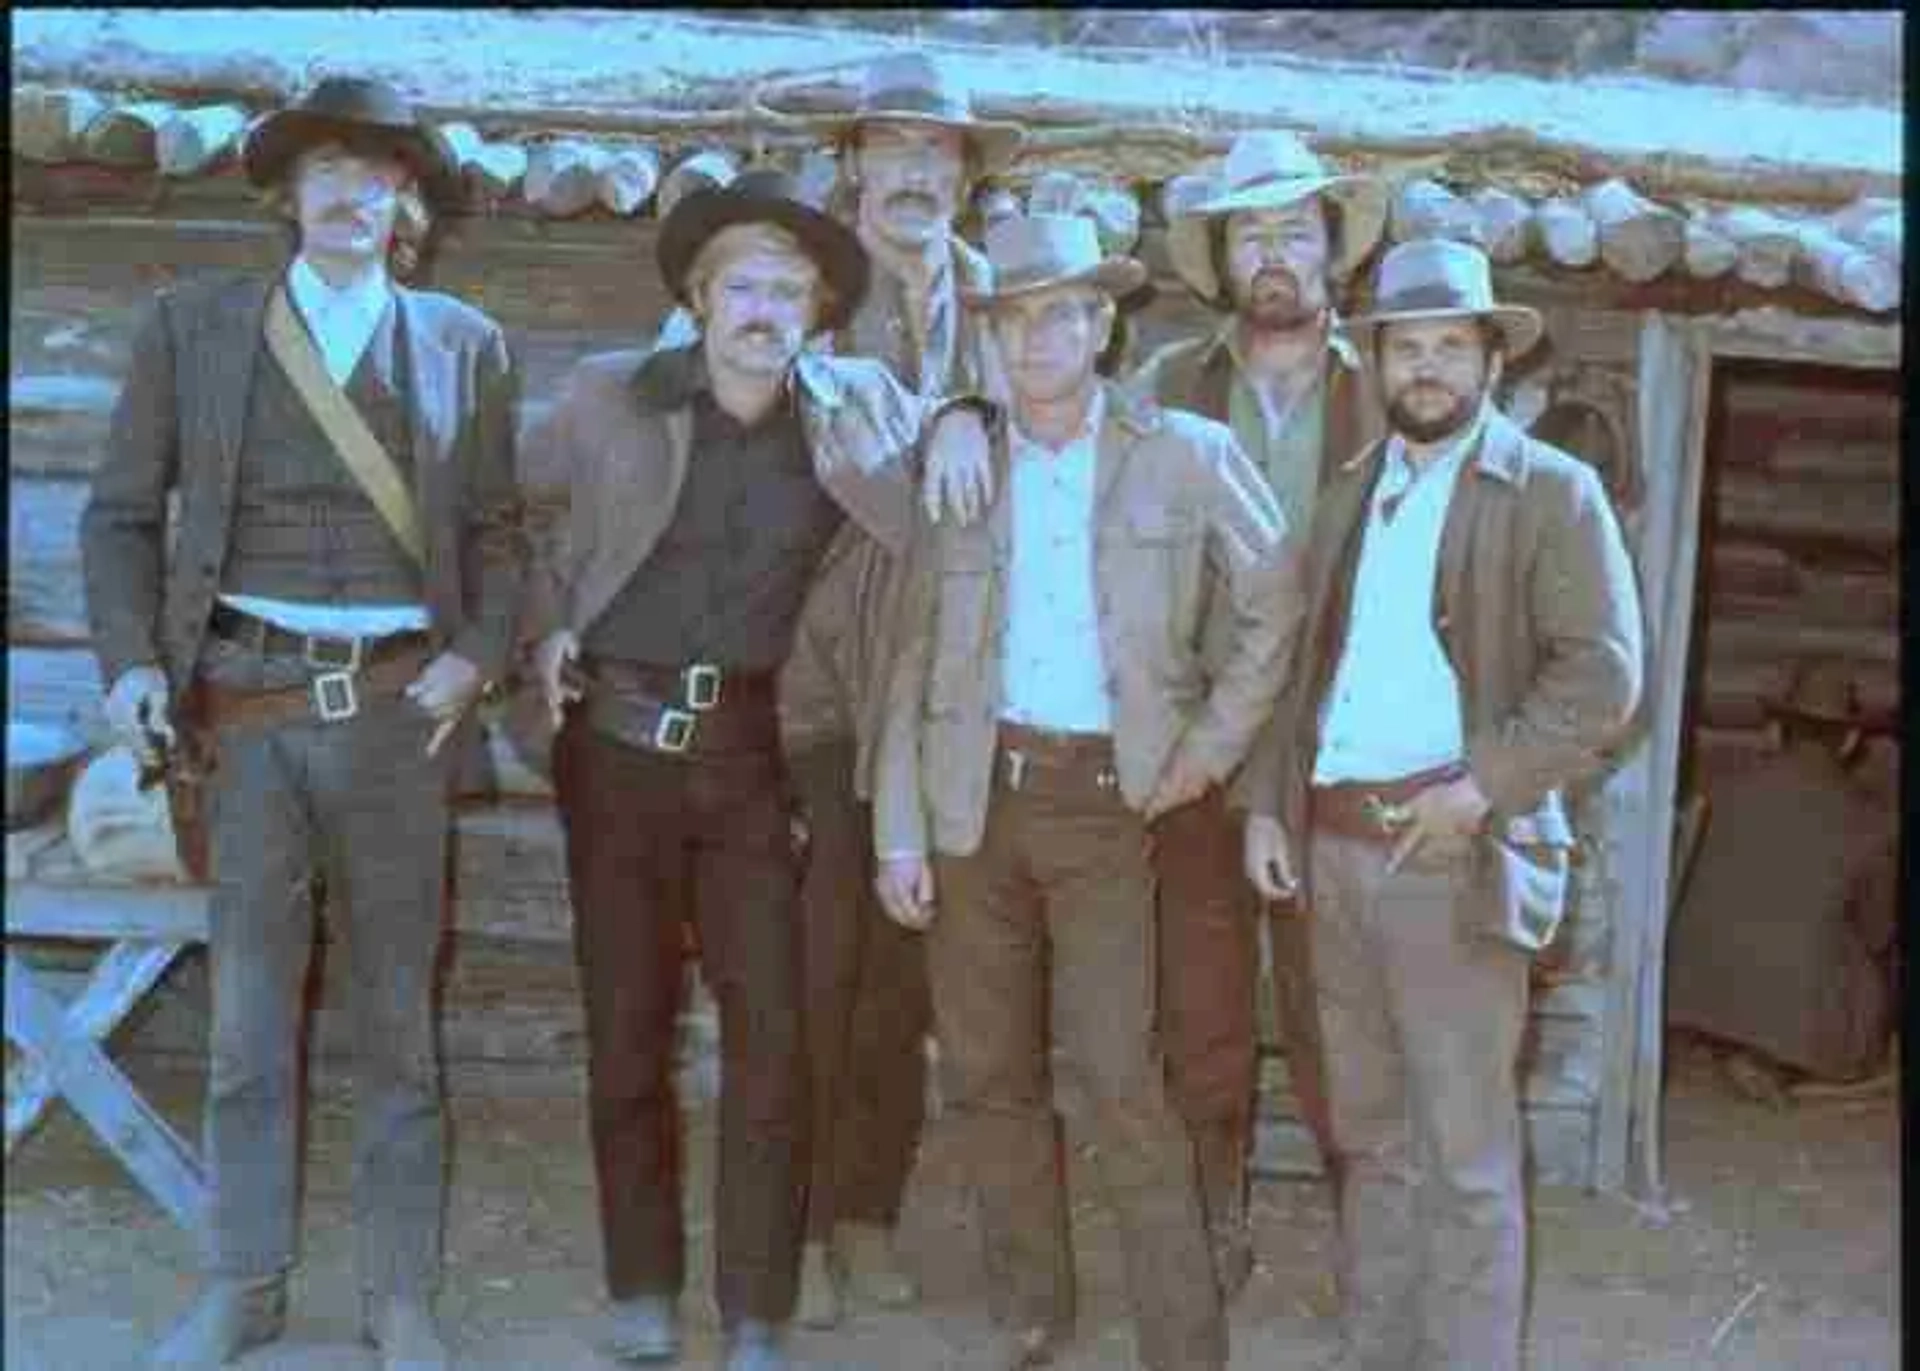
{"x": 302, "y": 527}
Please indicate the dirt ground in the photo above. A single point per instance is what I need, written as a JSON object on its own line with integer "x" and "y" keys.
{"x": 1779, "y": 1251}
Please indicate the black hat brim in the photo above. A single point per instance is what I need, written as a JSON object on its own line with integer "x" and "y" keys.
{"x": 284, "y": 135}
{"x": 833, "y": 247}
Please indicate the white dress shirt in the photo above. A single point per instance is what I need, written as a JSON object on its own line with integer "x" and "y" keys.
{"x": 1394, "y": 705}
{"x": 342, "y": 321}
{"x": 1052, "y": 671}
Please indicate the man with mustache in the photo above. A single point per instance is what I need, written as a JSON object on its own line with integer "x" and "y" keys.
{"x": 341, "y": 587}
{"x": 907, "y": 152}
{"x": 1471, "y": 647}
{"x": 1268, "y": 251}
{"x": 706, "y": 482}
{"x": 1046, "y": 707}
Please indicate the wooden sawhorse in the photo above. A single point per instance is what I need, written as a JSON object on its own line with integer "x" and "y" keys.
{"x": 63, "y": 1046}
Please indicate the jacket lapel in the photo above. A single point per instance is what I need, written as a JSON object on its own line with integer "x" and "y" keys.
{"x": 1496, "y": 456}
{"x": 234, "y": 340}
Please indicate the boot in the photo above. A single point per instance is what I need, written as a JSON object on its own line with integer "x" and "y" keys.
{"x": 645, "y": 1328}
{"x": 1220, "y": 1155}
{"x": 230, "y": 1317}
{"x": 404, "y": 1330}
{"x": 870, "y": 1266}
{"x": 819, "y": 1303}
{"x": 756, "y": 1346}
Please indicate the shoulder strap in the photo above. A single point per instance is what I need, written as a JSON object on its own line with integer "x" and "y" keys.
{"x": 345, "y": 430}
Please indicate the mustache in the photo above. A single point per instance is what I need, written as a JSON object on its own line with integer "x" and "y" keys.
{"x": 766, "y": 331}
{"x": 915, "y": 197}
{"x": 348, "y": 214}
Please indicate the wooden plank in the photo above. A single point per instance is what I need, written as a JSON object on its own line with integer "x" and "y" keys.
{"x": 1810, "y": 513}
{"x": 59, "y": 685}
{"x": 57, "y": 424}
{"x": 46, "y": 596}
{"x": 118, "y": 981}
{"x": 1773, "y": 333}
{"x": 132, "y": 1130}
{"x": 150, "y": 911}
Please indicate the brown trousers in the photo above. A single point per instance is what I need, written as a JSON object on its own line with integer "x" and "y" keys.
{"x": 1209, "y": 975}
{"x": 1422, "y": 1026}
{"x": 1055, "y": 913}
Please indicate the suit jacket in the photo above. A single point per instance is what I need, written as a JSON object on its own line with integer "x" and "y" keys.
{"x": 1175, "y": 500}
{"x": 1536, "y": 605}
{"x": 177, "y": 431}
{"x": 624, "y": 456}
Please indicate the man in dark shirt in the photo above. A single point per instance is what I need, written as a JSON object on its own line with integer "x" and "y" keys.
{"x": 705, "y": 482}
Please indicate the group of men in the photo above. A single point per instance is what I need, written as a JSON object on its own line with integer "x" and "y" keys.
{"x": 935, "y": 681}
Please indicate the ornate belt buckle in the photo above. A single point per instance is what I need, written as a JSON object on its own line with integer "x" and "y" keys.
{"x": 701, "y": 685}
{"x": 334, "y": 696}
{"x": 673, "y": 731}
{"x": 315, "y": 652}
{"x": 1386, "y": 817}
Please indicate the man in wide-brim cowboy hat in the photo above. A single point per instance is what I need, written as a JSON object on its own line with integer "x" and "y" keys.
{"x": 1043, "y": 712}
{"x": 705, "y": 483}
{"x": 341, "y": 588}
{"x": 908, "y": 153}
{"x": 1268, "y": 245}
{"x": 1471, "y": 646}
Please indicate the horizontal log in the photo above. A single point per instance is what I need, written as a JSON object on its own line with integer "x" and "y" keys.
{"x": 1751, "y": 638}
{"x": 496, "y": 170}
{"x": 1639, "y": 239}
{"x": 48, "y": 123}
{"x": 1766, "y": 243}
{"x": 192, "y": 141}
{"x": 628, "y": 178}
{"x": 463, "y": 140}
{"x": 1836, "y": 267}
{"x": 1566, "y": 232}
{"x": 1741, "y": 567}
{"x": 1506, "y": 223}
{"x": 1796, "y": 512}
{"x": 1740, "y": 672}
{"x": 1795, "y": 406}
{"x": 1873, "y": 223}
{"x": 46, "y": 600}
{"x": 1708, "y": 254}
{"x": 705, "y": 168}
{"x": 563, "y": 176}
{"x": 1423, "y": 208}
{"x": 127, "y": 136}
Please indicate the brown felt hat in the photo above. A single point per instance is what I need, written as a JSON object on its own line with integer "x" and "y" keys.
{"x": 912, "y": 88}
{"x": 361, "y": 114}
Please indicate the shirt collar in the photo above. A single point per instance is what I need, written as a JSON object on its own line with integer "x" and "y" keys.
{"x": 316, "y": 298}
{"x": 1089, "y": 430}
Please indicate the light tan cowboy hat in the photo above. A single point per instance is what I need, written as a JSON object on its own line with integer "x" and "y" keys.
{"x": 911, "y": 88}
{"x": 1030, "y": 252}
{"x": 1271, "y": 169}
{"x": 1437, "y": 278}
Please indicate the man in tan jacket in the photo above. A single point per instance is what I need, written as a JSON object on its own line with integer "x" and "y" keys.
{"x": 1046, "y": 707}
{"x": 907, "y": 152}
{"x": 1471, "y": 645}
{"x": 1268, "y": 248}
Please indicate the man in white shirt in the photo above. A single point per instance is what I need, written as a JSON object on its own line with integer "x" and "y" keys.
{"x": 1047, "y": 705}
{"x": 1471, "y": 645}
{"x": 341, "y": 587}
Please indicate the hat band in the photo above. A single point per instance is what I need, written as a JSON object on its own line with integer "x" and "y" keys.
{"x": 913, "y": 100}
{"x": 1431, "y": 296}
{"x": 1040, "y": 274}
{"x": 1271, "y": 178}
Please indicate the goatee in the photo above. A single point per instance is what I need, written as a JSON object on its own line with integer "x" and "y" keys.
{"x": 1455, "y": 418}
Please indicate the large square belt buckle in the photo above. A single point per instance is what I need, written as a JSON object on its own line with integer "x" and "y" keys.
{"x": 1383, "y": 816}
{"x": 341, "y": 655}
{"x": 701, "y": 683}
{"x": 334, "y": 696}
{"x": 673, "y": 732}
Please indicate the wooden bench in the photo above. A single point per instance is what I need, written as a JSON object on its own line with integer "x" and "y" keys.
{"x": 63, "y": 1046}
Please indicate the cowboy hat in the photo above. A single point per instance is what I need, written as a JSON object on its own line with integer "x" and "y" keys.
{"x": 911, "y": 88}
{"x": 1271, "y": 169}
{"x": 765, "y": 195}
{"x": 1437, "y": 278}
{"x": 1030, "y": 252}
{"x": 359, "y": 113}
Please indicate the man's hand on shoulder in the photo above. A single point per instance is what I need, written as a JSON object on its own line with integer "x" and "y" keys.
{"x": 959, "y": 465}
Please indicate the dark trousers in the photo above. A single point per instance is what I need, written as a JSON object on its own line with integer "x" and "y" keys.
{"x": 358, "y": 803}
{"x": 867, "y": 1008}
{"x": 1209, "y": 975}
{"x": 649, "y": 836}
{"x": 1053, "y": 917}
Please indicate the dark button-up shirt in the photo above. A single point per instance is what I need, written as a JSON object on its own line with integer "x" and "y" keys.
{"x": 726, "y": 582}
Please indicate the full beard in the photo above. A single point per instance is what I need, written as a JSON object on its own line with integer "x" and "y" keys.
{"x": 1279, "y": 308}
{"x": 1433, "y": 430}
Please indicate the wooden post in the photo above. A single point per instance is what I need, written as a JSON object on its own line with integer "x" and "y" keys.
{"x": 628, "y": 178}
{"x": 127, "y": 136}
{"x": 1504, "y": 223}
{"x": 563, "y": 176}
{"x": 1426, "y": 209}
{"x": 1638, "y": 239}
{"x": 193, "y": 140}
{"x": 1567, "y": 232}
{"x": 48, "y": 124}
